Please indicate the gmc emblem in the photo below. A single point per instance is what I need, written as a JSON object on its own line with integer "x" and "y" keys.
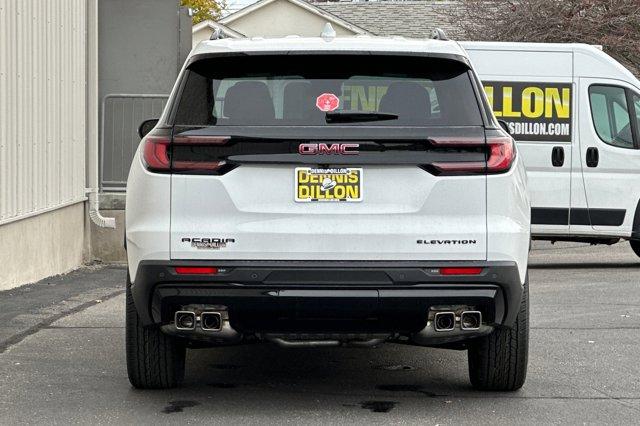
{"x": 324, "y": 149}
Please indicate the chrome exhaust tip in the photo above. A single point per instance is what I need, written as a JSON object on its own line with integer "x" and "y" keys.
{"x": 444, "y": 321}
{"x": 471, "y": 320}
{"x": 211, "y": 321}
{"x": 185, "y": 320}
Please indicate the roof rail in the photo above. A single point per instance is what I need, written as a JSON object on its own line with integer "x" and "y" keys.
{"x": 217, "y": 34}
{"x": 439, "y": 34}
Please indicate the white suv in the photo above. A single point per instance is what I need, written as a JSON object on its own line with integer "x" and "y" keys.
{"x": 321, "y": 191}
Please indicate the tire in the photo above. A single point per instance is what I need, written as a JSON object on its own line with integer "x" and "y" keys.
{"x": 154, "y": 359}
{"x": 498, "y": 362}
{"x": 635, "y": 246}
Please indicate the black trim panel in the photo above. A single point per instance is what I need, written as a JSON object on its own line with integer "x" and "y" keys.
{"x": 581, "y": 217}
{"x": 549, "y": 216}
{"x": 333, "y": 134}
{"x": 283, "y": 53}
{"x": 251, "y": 281}
{"x": 578, "y": 216}
{"x": 270, "y": 309}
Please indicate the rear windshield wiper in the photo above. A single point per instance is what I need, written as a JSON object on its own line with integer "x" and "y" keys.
{"x": 354, "y": 117}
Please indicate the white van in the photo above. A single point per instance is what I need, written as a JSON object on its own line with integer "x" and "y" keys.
{"x": 575, "y": 114}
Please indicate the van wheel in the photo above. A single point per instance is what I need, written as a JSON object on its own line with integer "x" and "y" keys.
{"x": 498, "y": 362}
{"x": 635, "y": 246}
{"x": 154, "y": 360}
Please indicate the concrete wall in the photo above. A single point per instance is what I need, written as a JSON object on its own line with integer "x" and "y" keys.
{"x": 139, "y": 46}
{"x": 282, "y": 18}
{"x": 40, "y": 246}
{"x": 43, "y": 116}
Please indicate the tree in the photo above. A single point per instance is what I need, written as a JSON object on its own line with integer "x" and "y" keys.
{"x": 205, "y": 9}
{"x": 612, "y": 24}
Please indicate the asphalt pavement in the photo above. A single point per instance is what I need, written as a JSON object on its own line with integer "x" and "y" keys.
{"x": 62, "y": 361}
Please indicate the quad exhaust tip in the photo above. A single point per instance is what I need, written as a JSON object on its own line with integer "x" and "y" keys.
{"x": 188, "y": 320}
{"x": 470, "y": 320}
{"x": 448, "y": 321}
{"x": 185, "y": 320}
{"x": 211, "y": 321}
{"x": 444, "y": 321}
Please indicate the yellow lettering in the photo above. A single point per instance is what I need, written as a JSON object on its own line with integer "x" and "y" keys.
{"x": 303, "y": 192}
{"x": 346, "y": 94}
{"x": 362, "y": 100}
{"x": 353, "y": 192}
{"x": 489, "y": 91}
{"x": 303, "y": 177}
{"x": 507, "y": 103}
{"x": 553, "y": 101}
{"x": 381, "y": 91}
{"x": 533, "y": 109}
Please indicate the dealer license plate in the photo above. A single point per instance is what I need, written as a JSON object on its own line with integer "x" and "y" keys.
{"x": 340, "y": 184}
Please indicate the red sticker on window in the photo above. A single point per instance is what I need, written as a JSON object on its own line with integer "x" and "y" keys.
{"x": 327, "y": 102}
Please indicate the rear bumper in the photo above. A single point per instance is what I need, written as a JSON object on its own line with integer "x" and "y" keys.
{"x": 321, "y": 297}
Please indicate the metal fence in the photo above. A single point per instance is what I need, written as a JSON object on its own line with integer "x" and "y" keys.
{"x": 121, "y": 116}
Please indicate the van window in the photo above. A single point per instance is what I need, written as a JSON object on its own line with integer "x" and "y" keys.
{"x": 362, "y": 90}
{"x": 611, "y": 116}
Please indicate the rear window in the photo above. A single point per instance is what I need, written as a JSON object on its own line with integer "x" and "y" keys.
{"x": 303, "y": 90}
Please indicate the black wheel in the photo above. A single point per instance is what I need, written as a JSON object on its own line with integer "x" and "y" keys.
{"x": 498, "y": 362}
{"x": 635, "y": 245}
{"x": 154, "y": 360}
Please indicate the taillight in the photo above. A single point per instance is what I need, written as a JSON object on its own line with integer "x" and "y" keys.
{"x": 201, "y": 140}
{"x": 500, "y": 156}
{"x": 193, "y": 154}
{"x": 196, "y": 270}
{"x": 157, "y": 158}
{"x": 460, "y": 271}
{"x": 193, "y": 166}
{"x": 155, "y": 153}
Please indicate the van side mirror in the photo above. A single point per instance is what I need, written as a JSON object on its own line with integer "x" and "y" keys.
{"x": 147, "y": 126}
{"x": 505, "y": 126}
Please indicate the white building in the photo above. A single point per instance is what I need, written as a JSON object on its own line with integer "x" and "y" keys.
{"x": 48, "y": 118}
{"x": 274, "y": 18}
{"x": 58, "y": 60}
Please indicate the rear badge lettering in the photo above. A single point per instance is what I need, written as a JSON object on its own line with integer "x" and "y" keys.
{"x": 447, "y": 242}
{"x": 326, "y": 149}
{"x": 208, "y": 243}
